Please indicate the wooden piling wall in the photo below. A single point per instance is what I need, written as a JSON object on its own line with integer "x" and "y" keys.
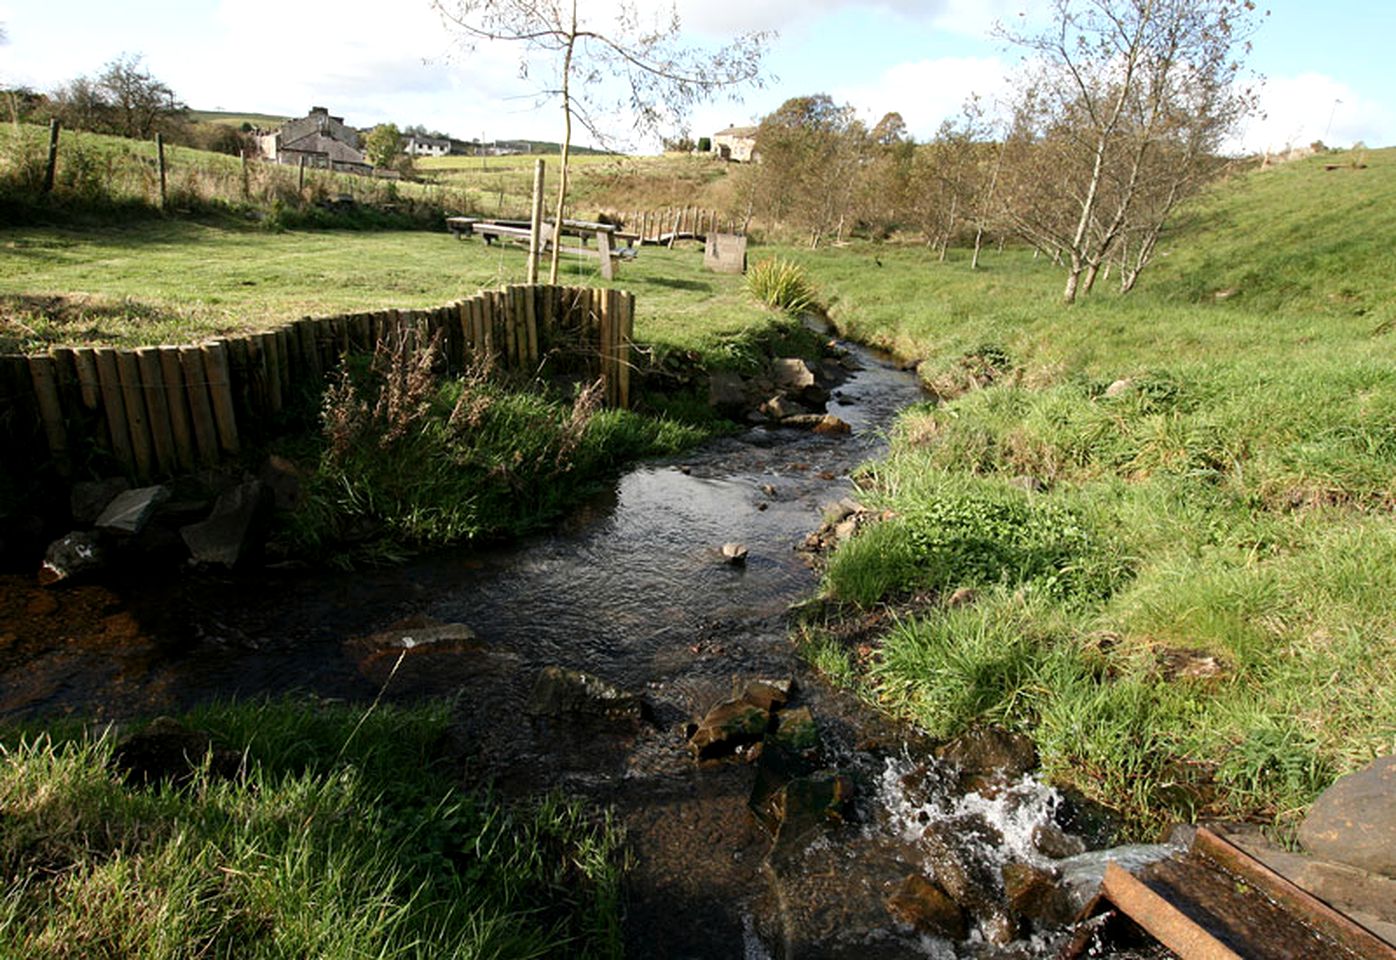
{"x": 157, "y": 411}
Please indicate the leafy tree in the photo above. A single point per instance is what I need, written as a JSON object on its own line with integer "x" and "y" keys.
{"x": 1128, "y": 103}
{"x": 619, "y": 62}
{"x": 383, "y": 145}
{"x": 124, "y": 99}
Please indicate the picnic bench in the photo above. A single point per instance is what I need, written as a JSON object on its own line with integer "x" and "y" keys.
{"x": 606, "y": 251}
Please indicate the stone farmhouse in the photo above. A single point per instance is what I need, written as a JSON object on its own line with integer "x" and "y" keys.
{"x": 426, "y": 146}
{"x": 736, "y": 143}
{"x": 320, "y": 140}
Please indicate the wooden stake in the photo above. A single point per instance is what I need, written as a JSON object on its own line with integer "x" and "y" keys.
{"x": 136, "y": 422}
{"x": 531, "y": 325}
{"x": 157, "y": 409}
{"x": 114, "y": 407}
{"x": 177, "y": 401}
{"x": 605, "y": 320}
{"x": 41, "y": 372}
{"x": 220, "y": 390}
{"x": 52, "y": 168}
{"x": 626, "y": 332}
{"x": 86, "y": 363}
{"x": 535, "y": 227}
{"x": 191, "y": 360}
{"x": 160, "y": 161}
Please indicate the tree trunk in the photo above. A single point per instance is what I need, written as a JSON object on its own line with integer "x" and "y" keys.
{"x": 566, "y": 149}
{"x": 1073, "y": 279}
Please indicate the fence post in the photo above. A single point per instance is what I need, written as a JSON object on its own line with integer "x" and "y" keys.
{"x": 300, "y": 184}
{"x": 160, "y": 161}
{"x": 53, "y": 127}
{"x": 536, "y": 222}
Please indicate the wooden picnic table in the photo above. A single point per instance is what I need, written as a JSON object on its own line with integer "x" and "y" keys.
{"x": 520, "y": 230}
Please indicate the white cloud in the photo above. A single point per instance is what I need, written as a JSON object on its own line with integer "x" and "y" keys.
{"x": 1313, "y": 106}
{"x": 926, "y": 92}
{"x": 723, "y": 17}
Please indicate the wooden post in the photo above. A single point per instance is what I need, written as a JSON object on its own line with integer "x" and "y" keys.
{"x": 300, "y": 182}
{"x": 531, "y": 325}
{"x": 220, "y": 389}
{"x": 157, "y": 409}
{"x": 41, "y": 372}
{"x": 603, "y": 250}
{"x": 601, "y": 299}
{"x": 86, "y": 363}
{"x": 191, "y": 360}
{"x": 535, "y": 224}
{"x": 626, "y": 333}
{"x": 160, "y": 161}
{"x": 114, "y": 406}
{"x": 136, "y": 421}
{"x": 177, "y": 404}
{"x": 52, "y": 168}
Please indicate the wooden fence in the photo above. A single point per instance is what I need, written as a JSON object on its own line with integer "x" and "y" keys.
{"x": 663, "y": 226}
{"x": 161, "y": 410}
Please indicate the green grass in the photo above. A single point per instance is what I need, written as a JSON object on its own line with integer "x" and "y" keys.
{"x": 346, "y": 838}
{"x": 178, "y": 281}
{"x": 1192, "y": 615}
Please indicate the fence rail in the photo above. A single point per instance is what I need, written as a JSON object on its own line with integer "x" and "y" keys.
{"x": 664, "y": 226}
{"x": 161, "y": 410}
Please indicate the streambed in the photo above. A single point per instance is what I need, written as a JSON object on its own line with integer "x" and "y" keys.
{"x": 631, "y": 588}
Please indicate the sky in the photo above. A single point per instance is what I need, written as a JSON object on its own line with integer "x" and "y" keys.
{"x": 1325, "y": 70}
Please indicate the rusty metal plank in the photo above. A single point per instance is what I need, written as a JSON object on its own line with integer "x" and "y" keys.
{"x": 1165, "y": 922}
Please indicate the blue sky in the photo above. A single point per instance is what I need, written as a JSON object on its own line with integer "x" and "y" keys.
{"x": 1327, "y": 68}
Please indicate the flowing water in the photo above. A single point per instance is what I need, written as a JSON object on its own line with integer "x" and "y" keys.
{"x": 630, "y": 588}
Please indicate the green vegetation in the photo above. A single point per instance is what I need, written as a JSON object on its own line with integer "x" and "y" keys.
{"x": 409, "y": 461}
{"x": 780, "y": 285}
{"x": 1174, "y": 508}
{"x": 344, "y": 837}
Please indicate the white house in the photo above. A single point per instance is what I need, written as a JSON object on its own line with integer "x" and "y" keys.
{"x": 426, "y": 146}
{"x": 736, "y": 143}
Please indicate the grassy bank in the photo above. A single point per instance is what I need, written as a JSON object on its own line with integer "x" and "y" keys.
{"x": 343, "y": 835}
{"x": 1174, "y": 509}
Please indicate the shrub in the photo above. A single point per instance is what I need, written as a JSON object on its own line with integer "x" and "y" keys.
{"x": 781, "y": 285}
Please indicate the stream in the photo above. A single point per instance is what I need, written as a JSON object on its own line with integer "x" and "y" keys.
{"x": 631, "y": 588}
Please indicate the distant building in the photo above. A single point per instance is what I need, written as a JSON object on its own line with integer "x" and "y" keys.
{"x": 736, "y": 143}
{"x": 320, "y": 140}
{"x": 426, "y": 146}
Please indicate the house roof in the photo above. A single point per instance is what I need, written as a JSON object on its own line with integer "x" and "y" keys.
{"x": 737, "y": 132}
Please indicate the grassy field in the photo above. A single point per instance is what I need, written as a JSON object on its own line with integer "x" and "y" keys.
{"x": 170, "y": 281}
{"x": 1174, "y": 509}
{"x": 344, "y": 835}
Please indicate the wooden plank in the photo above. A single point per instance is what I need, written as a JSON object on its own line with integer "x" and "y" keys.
{"x": 191, "y": 360}
{"x": 1294, "y": 899}
{"x": 241, "y": 378}
{"x": 220, "y": 392}
{"x": 258, "y": 389}
{"x": 157, "y": 411}
{"x": 286, "y": 354}
{"x": 177, "y": 402}
{"x": 65, "y": 375}
{"x": 142, "y": 447}
{"x": 511, "y": 314}
{"x": 1164, "y": 922}
{"x": 307, "y": 330}
{"x": 114, "y": 407}
{"x": 85, "y": 360}
{"x": 45, "y": 379}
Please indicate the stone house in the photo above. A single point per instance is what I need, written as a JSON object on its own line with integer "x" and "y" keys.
{"x": 426, "y": 146}
{"x": 322, "y": 141}
{"x": 736, "y": 143}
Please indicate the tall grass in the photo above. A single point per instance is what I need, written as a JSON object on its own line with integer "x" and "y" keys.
{"x": 1191, "y": 612}
{"x": 344, "y": 838}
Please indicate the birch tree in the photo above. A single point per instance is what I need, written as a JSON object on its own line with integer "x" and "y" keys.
{"x": 1117, "y": 86}
{"x": 606, "y": 60}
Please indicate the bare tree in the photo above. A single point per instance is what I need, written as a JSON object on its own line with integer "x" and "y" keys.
{"x": 1119, "y": 83}
{"x": 622, "y": 62}
{"x": 124, "y": 99}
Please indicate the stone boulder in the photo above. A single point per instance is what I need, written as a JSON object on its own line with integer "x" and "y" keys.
{"x": 768, "y": 693}
{"x": 729, "y": 726}
{"x": 129, "y": 511}
{"x": 89, "y": 498}
{"x": 926, "y": 908}
{"x": 1354, "y": 821}
{"x": 727, "y": 393}
{"x": 72, "y": 556}
{"x": 792, "y": 375}
{"x": 805, "y": 806}
{"x": 561, "y": 692}
{"x": 1036, "y": 893}
{"x": 235, "y": 530}
{"x": 989, "y": 758}
{"x": 955, "y": 848}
